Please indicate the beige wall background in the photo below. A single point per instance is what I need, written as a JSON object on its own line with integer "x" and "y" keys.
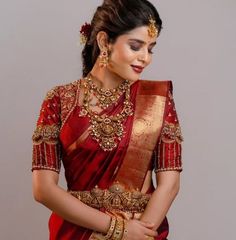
{"x": 38, "y": 42}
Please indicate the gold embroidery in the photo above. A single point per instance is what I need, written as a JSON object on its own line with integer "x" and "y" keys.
{"x": 170, "y": 95}
{"x": 46, "y": 133}
{"x": 171, "y": 133}
{"x": 36, "y": 167}
{"x": 52, "y": 93}
{"x": 46, "y": 155}
{"x": 68, "y": 95}
{"x": 168, "y": 169}
{"x": 115, "y": 198}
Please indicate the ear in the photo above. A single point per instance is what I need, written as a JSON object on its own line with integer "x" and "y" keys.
{"x": 102, "y": 40}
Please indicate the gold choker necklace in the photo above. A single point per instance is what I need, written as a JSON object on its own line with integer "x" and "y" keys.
{"x": 106, "y": 97}
{"x": 107, "y": 130}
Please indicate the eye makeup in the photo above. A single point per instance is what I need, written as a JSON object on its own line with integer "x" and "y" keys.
{"x": 136, "y": 45}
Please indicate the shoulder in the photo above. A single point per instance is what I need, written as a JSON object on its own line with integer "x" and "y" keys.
{"x": 69, "y": 90}
{"x": 156, "y": 87}
{"x": 61, "y": 99}
{"x": 60, "y": 91}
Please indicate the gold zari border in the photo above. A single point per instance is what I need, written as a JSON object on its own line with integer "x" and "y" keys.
{"x": 147, "y": 126}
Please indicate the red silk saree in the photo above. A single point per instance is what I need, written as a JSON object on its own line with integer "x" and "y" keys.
{"x": 62, "y": 137}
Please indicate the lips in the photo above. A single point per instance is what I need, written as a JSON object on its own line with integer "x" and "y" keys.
{"x": 137, "y": 69}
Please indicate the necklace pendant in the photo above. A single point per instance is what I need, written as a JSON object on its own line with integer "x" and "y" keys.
{"x": 107, "y": 133}
{"x": 108, "y": 144}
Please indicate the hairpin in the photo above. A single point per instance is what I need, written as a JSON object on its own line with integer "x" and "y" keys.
{"x": 152, "y": 29}
{"x": 85, "y": 31}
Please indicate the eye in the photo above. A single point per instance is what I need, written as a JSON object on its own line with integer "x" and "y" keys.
{"x": 150, "y": 51}
{"x": 135, "y": 47}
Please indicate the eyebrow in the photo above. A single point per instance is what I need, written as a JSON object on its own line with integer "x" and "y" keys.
{"x": 142, "y": 42}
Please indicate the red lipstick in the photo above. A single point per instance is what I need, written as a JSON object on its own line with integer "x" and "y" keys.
{"x": 137, "y": 69}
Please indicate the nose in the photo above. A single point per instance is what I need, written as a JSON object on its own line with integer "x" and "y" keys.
{"x": 144, "y": 56}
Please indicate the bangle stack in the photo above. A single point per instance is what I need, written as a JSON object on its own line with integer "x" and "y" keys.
{"x": 116, "y": 230}
{"x": 111, "y": 228}
{"x": 119, "y": 229}
{"x": 125, "y": 229}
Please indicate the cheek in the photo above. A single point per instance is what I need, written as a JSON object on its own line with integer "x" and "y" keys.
{"x": 149, "y": 60}
{"x": 123, "y": 55}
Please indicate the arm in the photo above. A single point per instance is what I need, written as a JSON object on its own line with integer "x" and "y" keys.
{"x": 47, "y": 192}
{"x": 47, "y": 156}
{"x": 162, "y": 197}
{"x": 168, "y": 165}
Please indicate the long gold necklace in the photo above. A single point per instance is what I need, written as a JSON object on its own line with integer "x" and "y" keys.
{"x": 106, "y": 130}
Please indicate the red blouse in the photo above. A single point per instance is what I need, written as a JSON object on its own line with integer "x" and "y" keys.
{"x": 58, "y": 105}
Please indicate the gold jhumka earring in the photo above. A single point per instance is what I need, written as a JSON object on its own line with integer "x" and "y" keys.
{"x": 152, "y": 28}
{"x": 103, "y": 58}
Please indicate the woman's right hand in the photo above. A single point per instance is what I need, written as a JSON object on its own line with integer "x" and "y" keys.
{"x": 138, "y": 230}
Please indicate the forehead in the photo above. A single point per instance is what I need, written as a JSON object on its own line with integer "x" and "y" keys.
{"x": 140, "y": 33}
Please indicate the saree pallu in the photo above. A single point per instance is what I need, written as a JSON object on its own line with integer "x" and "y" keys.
{"x": 62, "y": 136}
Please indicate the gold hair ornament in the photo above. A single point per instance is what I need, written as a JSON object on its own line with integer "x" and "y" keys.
{"x": 152, "y": 29}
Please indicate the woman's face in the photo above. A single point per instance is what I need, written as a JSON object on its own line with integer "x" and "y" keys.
{"x": 131, "y": 53}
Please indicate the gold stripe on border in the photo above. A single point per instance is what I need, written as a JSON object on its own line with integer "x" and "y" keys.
{"x": 148, "y": 120}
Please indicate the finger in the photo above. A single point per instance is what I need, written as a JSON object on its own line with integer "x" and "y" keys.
{"x": 147, "y": 224}
{"x": 150, "y": 233}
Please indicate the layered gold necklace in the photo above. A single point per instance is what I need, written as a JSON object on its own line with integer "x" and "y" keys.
{"x": 107, "y": 97}
{"x": 106, "y": 130}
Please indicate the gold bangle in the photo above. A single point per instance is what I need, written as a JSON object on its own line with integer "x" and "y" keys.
{"x": 119, "y": 229}
{"x": 111, "y": 228}
{"x": 125, "y": 229}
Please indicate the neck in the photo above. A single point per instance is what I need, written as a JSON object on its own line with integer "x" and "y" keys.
{"x": 104, "y": 78}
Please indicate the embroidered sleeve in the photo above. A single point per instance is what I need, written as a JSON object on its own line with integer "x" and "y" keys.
{"x": 168, "y": 150}
{"x": 46, "y": 144}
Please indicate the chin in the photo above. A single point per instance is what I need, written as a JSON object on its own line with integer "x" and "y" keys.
{"x": 131, "y": 76}
{"x": 128, "y": 75}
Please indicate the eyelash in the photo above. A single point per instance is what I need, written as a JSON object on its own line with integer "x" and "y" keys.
{"x": 137, "y": 49}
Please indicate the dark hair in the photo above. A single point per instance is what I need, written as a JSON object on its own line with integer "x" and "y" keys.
{"x": 116, "y": 17}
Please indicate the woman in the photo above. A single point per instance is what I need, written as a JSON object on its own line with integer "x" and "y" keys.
{"x": 110, "y": 130}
